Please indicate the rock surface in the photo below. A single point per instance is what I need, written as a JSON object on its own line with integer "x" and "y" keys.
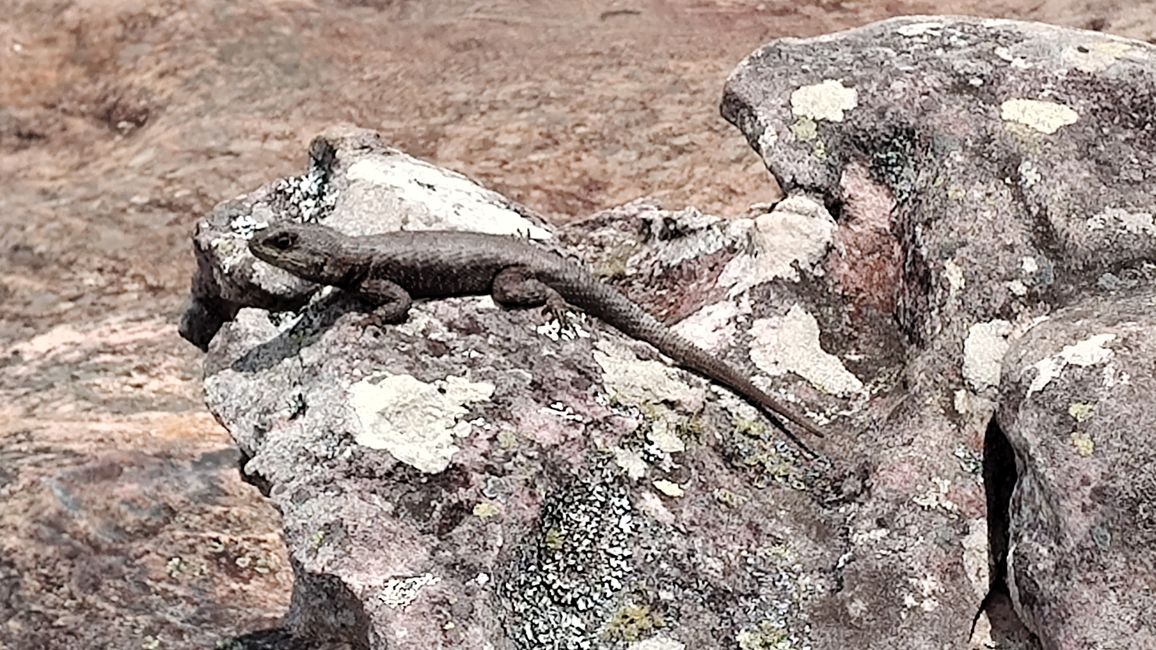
{"x": 1076, "y": 404}
{"x": 493, "y": 478}
{"x": 985, "y": 173}
{"x": 478, "y": 477}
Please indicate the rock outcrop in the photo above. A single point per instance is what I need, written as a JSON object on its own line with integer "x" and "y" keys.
{"x": 986, "y": 174}
{"x": 960, "y": 192}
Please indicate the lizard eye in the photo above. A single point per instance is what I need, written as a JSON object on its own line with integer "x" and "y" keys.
{"x": 283, "y": 241}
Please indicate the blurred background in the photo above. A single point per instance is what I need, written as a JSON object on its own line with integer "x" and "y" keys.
{"x": 123, "y": 521}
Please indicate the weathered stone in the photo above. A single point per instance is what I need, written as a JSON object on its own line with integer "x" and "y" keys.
{"x": 477, "y": 476}
{"x": 1077, "y": 405}
{"x": 1001, "y": 170}
{"x": 481, "y": 476}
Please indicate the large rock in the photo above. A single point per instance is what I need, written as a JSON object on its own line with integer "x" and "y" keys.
{"x": 1077, "y": 405}
{"x": 984, "y": 173}
{"x": 478, "y": 477}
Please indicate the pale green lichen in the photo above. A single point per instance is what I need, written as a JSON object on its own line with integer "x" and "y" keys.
{"x": 766, "y": 636}
{"x": 485, "y": 510}
{"x": 748, "y": 427}
{"x": 643, "y": 384}
{"x": 805, "y": 129}
{"x": 632, "y": 623}
{"x": 729, "y": 498}
{"x": 770, "y": 465}
{"x": 691, "y": 428}
{"x": 553, "y": 539}
{"x": 614, "y": 264}
{"x": 1083, "y": 443}
{"x": 507, "y": 439}
{"x": 1081, "y": 411}
{"x": 819, "y": 150}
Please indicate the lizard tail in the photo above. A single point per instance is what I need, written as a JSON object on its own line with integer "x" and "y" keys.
{"x": 613, "y": 308}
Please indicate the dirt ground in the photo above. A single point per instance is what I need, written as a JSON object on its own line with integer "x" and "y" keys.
{"x": 123, "y": 523}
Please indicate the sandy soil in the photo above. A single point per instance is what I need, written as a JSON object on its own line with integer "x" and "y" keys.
{"x": 123, "y": 522}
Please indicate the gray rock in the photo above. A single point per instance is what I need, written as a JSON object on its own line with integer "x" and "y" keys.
{"x": 477, "y": 477}
{"x": 1077, "y": 405}
{"x": 983, "y": 173}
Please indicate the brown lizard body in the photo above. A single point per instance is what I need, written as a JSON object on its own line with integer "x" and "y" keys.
{"x": 391, "y": 269}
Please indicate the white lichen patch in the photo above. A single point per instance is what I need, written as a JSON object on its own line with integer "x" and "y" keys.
{"x": 1029, "y": 265}
{"x": 1095, "y": 57}
{"x": 1017, "y": 288}
{"x": 954, "y": 275}
{"x": 768, "y": 140}
{"x": 415, "y": 421}
{"x": 1017, "y": 62}
{"x": 1029, "y": 174}
{"x": 669, "y": 488}
{"x": 567, "y": 328}
{"x": 660, "y": 642}
{"x": 791, "y": 344}
{"x": 1088, "y": 352}
{"x": 962, "y": 402}
{"x": 631, "y": 462}
{"x": 666, "y": 440}
{"x": 400, "y": 592}
{"x": 642, "y": 383}
{"x": 1137, "y": 223}
{"x": 932, "y": 28}
{"x": 1043, "y": 116}
{"x": 712, "y": 327}
{"x": 457, "y": 202}
{"x": 792, "y": 237}
{"x": 926, "y": 589}
{"x": 935, "y": 497}
{"x": 983, "y": 352}
{"x": 862, "y": 537}
{"x": 826, "y": 100}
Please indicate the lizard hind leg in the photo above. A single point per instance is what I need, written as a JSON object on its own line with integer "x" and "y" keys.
{"x": 516, "y": 287}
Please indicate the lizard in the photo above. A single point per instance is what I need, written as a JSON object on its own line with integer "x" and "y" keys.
{"x": 389, "y": 270}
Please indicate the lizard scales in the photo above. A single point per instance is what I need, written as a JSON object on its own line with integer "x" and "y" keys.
{"x": 391, "y": 269}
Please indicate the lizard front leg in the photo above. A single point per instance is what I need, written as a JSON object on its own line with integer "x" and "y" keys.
{"x": 390, "y": 301}
{"x": 516, "y": 286}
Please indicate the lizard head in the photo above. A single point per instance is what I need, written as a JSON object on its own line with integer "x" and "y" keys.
{"x": 302, "y": 249}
